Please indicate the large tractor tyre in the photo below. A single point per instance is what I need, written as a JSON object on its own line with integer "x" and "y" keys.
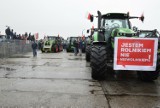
{"x": 42, "y": 51}
{"x": 88, "y": 53}
{"x": 55, "y": 48}
{"x": 88, "y": 56}
{"x": 98, "y": 62}
{"x": 67, "y": 50}
{"x": 59, "y": 48}
{"x": 149, "y": 75}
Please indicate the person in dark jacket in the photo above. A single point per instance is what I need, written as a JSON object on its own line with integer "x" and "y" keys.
{"x": 34, "y": 48}
{"x": 80, "y": 45}
{"x": 8, "y": 32}
{"x": 75, "y": 44}
{"x": 11, "y": 34}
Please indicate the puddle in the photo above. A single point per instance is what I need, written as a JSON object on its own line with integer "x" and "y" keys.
{"x": 94, "y": 85}
{"x": 92, "y": 91}
{"x": 95, "y": 91}
{"x": 76, "y": 59}
{"x": 19, "y": 63}
{"x": 88, "y": 65}
{"x": 51, "y": 58}
{"x": 7, "y": 68}
{"x": 92, "y": 80}
{"x": 19, "y": 57}
{"x": 51, "y": 64}
{"x": 33, "y": 66}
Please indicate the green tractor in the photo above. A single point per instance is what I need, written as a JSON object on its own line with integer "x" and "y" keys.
{"x": 52, "y": 44}
{"x": 150, "y": 34}
{"x": 70, "y": 47}
{"x": 70, "y": 40}
{"x": 112, "y": 25}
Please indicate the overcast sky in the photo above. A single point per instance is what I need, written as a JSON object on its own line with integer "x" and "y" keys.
{"x": 68, "y": 17}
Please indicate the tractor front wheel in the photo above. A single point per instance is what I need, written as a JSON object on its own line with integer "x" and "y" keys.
{"x": 88, "y": 49}
{"x": 55, "y": 48}
{"x": 98, "y": 62}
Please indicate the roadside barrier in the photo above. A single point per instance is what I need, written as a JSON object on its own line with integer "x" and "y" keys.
{"x": 11, "y": 47}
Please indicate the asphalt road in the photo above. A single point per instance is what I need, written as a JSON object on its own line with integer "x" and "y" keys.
{"x": 62, "y": 80}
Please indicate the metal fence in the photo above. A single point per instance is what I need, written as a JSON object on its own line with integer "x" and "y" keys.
{"x": 11, "y": 47}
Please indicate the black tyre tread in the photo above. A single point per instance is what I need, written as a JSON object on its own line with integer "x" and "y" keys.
{"x": 88, "y": 49}
{"x": 98, "y": 61}
{"x": 149, "y": 75}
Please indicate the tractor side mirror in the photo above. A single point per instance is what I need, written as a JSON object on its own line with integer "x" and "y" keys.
{"x": 90, "y": 17}
{"x": 142, "y": 18}
{"x": 87, "y": 31}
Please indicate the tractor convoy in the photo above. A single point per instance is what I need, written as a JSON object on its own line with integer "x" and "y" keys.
{"x": 100, "y": 44}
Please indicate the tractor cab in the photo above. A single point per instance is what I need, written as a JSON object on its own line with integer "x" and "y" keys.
{"x": 149, "y": 33}
{"x": 112, "y": 21}
{"x": 117, "y": 24}
{"x": 70, "y": 46}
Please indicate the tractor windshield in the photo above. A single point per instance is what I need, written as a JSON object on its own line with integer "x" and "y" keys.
{"x": 73, "y": 38}
{"x": 149, "y": 34}
{"x": 116, "y": 23}
{"x": 52, "y": 38}
{"x": 110, "y": 24}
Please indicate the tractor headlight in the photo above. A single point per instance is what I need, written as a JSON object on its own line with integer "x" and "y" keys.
{"x": 134, "y": 34}
{"x": 122, "y": 34}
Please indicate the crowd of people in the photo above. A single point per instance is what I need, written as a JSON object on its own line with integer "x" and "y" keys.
{"x": 11, "y": 34}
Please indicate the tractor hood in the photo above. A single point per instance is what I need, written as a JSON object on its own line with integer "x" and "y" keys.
{"x": 125, "y": 30}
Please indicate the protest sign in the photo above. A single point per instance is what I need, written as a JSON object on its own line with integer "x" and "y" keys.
{"x": 135, "y": 53}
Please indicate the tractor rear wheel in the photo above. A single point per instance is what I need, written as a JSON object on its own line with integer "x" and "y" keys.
{"x": 98, "y": 62}
{"x": 67, "y": 50}
{"x": 55, "y": 48}
{"x": 88, "y": 52}
{"x": 149, "y": 75}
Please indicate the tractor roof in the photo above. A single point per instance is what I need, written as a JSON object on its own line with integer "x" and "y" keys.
{"x": 74, "y": 37}
{"x": 53, "y": 36}
{"x": 115, "y": 16}
{"x": 148, "y": 30}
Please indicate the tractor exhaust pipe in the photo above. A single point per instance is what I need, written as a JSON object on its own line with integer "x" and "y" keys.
{"x": 100, "y": 34}
{"x": 99, "y": 19}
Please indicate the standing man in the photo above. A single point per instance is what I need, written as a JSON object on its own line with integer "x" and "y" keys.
{"x": 11, "y": 34}
{"x": 34, "y": 48}
{"x": 75, "y": 44}
{"x": 80, "y": 46}
{"x": 8, "y": 32}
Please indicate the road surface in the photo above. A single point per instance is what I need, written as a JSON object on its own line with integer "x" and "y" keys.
{"x": 62, "y": 80}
